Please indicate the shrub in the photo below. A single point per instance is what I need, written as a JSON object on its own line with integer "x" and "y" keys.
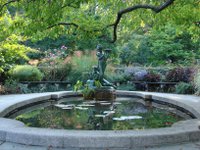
{"x": 176, "y": 75}
{"x": 180, "y": 75}
{"x": 152, "y": 77}
{"x": 26, "y": 73}
{"x": 197, "y": 83}
{"x": 11, "y": 87}
{"x": 13, "y": 52}
{"x": 137, "y": 73}
{"x": 190, "y": 73}
{"x": 55, "y": 70}
{"x": 184, "y": 88}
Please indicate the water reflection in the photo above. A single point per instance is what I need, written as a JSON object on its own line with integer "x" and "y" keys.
{"x": 98, "y": 115}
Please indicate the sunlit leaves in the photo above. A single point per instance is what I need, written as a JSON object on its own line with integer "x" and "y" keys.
{"x": 94, "y": 16}
{"x": 11, "y": 52}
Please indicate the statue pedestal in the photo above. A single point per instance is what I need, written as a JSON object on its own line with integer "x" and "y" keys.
{"x": 105, "y": 93}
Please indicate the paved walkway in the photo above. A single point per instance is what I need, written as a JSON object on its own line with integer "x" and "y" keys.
{"x": 183, "y": 146}
{"x": 190, "y": 101}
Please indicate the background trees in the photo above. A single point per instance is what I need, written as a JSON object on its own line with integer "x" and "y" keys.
{"x": 147, "y": 31}
{"x": 143, "y": 32}
{"x": 99, "y": 18}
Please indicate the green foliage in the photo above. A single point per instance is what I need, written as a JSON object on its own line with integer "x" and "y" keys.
{"x": 159, "y": 47}
{"x": 184, "y": 88}
{"x": 135, "y": 50}
{"x": 36, "y": 55}
{"x": 40, "y": 88}
{"x": 116, "y": 77}
{"x": 169, "y": 47}
{"x": 81, "y": 67}
{"x": 53, "y": 65}
{"x": 97, "y": 84}
{"x": 12, "y": 52}
{"x": 92, "y": 18}
{"x": 11, "y": 87}
{"x": 78, "y": 85}
{"x": 88, "y": 93}
{"x": 169, "y": 37}
{"x": 86, "y": 90}
{"x": 55, "y": 70}
{"x": 127, "y": 87}
{"x": 197, "y": 83}
{"x": 26, "y": 73}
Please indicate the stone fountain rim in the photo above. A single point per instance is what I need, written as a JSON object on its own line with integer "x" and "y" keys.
{"x": 16, "y": 131}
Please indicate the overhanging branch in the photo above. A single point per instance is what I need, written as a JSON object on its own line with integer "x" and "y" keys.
{"x": 155, "y": 9}
{"x": 75, "y": 25}
{"x": 4, "y": 5}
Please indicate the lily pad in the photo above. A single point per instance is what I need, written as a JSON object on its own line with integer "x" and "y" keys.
{"x": 109, "y": 112}
{"x": 123, "y": 118}
{"x": 81, "y": 108}
{"x": 100, "y": 116}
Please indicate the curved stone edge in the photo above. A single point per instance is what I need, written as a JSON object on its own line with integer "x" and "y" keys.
{"x": 195, "y": 112}
{"x": 163, "y": 97}
{"x": 20, "y": 100}
{"x": 15, "y": 131}
{"x": 183, "y": 132}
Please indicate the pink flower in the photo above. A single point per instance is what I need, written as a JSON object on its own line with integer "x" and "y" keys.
{"x": 63, "y": 47}
{"x": 51, "y": 63}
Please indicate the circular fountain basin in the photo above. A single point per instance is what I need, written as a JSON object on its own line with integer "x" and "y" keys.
{"x": 15, "y": 131}
{"x": 125, "y": 113}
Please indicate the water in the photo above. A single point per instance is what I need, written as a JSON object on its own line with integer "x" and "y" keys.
{"x": 98, "y": 115}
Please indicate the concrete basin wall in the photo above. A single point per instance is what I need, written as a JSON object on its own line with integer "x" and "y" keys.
{"x": 15, "y": 131}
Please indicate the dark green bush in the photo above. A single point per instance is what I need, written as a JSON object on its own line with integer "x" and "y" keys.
{"x": 26, "y": 73}
{"x": 184, "y": 88}
{"x": 11, "y": 87}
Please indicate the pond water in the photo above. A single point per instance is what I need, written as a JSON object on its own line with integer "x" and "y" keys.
{"x": 78, "y": 114}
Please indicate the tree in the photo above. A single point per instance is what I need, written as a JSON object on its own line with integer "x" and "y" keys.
{"x": 100, "y": 18}
{"x": 169, "y": 47}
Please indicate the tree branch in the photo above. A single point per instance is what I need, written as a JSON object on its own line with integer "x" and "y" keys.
{"x": 4, "y": 5}
{"x": 155, "y": 9}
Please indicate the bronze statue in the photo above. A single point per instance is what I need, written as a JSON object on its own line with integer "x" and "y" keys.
{"x": 102, "y": 88}
{"x": 102, "y": 58}
{"x": 98, "y": 71}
